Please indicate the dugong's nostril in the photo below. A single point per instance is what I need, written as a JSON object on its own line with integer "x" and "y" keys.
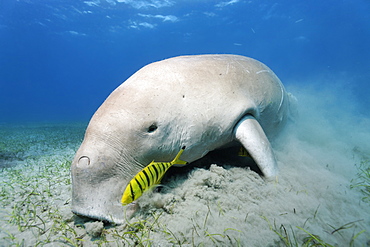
{"x": 84, "y": 161}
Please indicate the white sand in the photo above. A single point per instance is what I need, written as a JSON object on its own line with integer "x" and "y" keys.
{"x": 221, "y": 205}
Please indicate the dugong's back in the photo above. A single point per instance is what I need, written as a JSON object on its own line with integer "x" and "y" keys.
{"x": 224, "y": 86}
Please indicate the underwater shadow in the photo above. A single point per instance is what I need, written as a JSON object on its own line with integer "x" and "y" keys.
{"x": 226, "y": 158}
{"x": 9, "y": 159}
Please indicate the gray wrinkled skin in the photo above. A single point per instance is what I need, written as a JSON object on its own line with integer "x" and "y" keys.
{"x": 202, "y": 102}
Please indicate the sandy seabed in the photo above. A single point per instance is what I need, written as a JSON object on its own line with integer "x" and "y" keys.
{"x": 313, "y": 201}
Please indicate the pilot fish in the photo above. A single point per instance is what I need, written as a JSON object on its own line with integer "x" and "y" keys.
{"x": 243, "y": 152}
{"x": 148, "y": 177}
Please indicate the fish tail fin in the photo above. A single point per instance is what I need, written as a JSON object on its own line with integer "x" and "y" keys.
{"x": 177, "y": 160}
{"x": 180, "y": 162}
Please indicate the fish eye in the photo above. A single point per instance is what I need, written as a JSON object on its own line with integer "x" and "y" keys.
{"x": 153, "y": 127}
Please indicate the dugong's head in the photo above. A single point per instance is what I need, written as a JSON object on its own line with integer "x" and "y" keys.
{"x": 133, "y": 127}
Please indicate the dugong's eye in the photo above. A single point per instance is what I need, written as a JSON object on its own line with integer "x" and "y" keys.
{"x": 153, "y": 127}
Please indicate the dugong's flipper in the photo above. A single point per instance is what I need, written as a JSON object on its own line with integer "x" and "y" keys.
{"x": 251, "y": 135}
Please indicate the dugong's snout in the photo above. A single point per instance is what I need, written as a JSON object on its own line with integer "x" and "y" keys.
{"x": 111, "y": 212}
{"x": 96, "y": 190}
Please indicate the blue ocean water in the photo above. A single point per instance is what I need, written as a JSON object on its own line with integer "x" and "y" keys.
{"x": 59, "y": 59}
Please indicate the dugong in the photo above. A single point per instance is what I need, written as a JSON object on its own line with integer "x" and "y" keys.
{"x": 203, "y": 102}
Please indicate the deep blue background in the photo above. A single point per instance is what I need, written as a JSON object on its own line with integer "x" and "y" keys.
{"x": 59, "y": 59}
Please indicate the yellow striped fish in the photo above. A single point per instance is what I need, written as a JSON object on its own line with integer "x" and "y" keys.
{"x": 243, "y": 152}
{"x": 147, "y": 177}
